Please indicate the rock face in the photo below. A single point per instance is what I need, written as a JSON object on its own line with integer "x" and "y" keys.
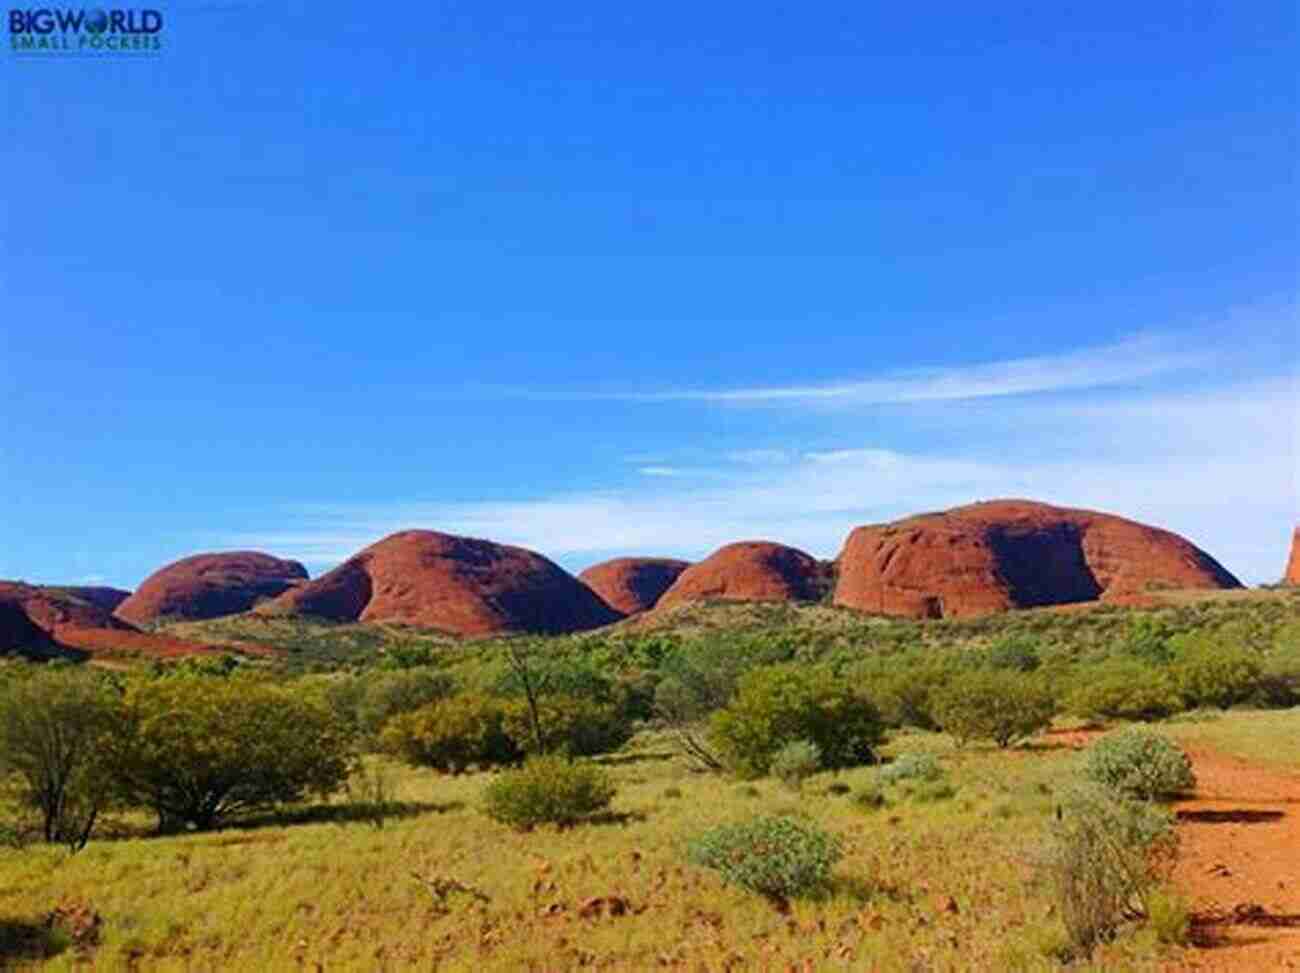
{"x": 749, "y": 571}
{"x": 51, "y": 608}
{"x": 100, "y": 596}
{"x": 210, "y": 585}
{"x": 17, "y": 631}
{"x": 1292, "y": 576}
{"x": 456, "y": 584}
{"x": 632, "y": 584}
{"x": 1004, "y": 554}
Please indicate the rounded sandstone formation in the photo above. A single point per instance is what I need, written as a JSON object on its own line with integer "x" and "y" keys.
{"x": 633, "y": 584}
{"x": 17, "y": 632}
{"x": 210, "y": 585}
{"x": 749, "y": 571}
{"x": 51, "y": 608}
{"x": 456, "y": 584}
{"x": 1292, "y": 576}
{"x": 1004, "y": 554}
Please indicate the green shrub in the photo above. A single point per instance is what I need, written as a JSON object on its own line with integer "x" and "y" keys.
{"x": 453, "y": 734}
{"x": 1137, "y": 763}
{"x": 778, "y": 704}
{"x": 1104, "y": 858}
{"x": 577, "y": 727}
{"x": 869, "y": 797}
{"x": 1169, "y": 917}
{"x": 778, "y": 857}
{"x": 999, "y": 705}
{"x": 548, "y": 789}
{"x": 198, "y": 750}
{"x": 1014, "y": 652}
{"x": 55, "y": 732}
{"x": 388, "y": 694}
{"x": 910, "y": 766}
{"x": 796, "y": 761}
{"x": 1208, "y": 671}
{"x": 905, "y": 696}
{"x": 1123, "y": 689}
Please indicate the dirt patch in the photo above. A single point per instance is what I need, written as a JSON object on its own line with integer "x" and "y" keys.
{"x": 1240, "y": 865}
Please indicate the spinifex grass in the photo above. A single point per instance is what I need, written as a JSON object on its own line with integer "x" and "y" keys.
{"x": 947, "y": 883}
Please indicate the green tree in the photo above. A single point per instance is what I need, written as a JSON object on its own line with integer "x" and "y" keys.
{"x": 1211, "y": 672}
{"x": 995, "y": 704}
{"x": 778, "y": 704}
{"x": 54, "y": 733}
{"x": 199, "y": 750}
{"x": 453, "y": 734}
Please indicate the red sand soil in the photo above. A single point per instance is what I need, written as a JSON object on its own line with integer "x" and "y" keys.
{"x": 1005, "y": 554}
{"x": 1239, "y": 864}
{"x": 210, "y": 585}
{"x": 749, "y": 571}
{"x": 632, "y": 584}
{"x": 1292, "y": 575}
{"x": 455, "y": 584}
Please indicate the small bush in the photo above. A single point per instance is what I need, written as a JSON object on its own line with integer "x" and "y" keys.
{"x": 1105, "y": 857}
{"x": 452, "y": 735}
{"x": 911, "y": 766}
{"x": 1169, "y": 917}
{"x": 570, "y": 725}
{"x": 1123, "y": 689}
{"x": 548, "y": 789}
{"x": 1000, "y": 705}
{"x": 795, "y": 762}
{"x": 1208, "y": 672}
{"x": 777, "y": 704}
{"x": 906, "y": 696}
{"x": 869, "y": 797}
{"x": 1012, "y": 652}
{"x": 930, "y": 791}
{"x": 389, "y": 694}
{"x": 1138, "y": 763}
{"x": 778, "y": 857}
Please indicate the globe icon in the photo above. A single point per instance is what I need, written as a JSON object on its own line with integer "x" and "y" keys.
{"x": 96, "y": 21}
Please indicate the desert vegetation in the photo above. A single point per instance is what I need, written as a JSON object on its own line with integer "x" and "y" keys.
{"x": 747, "y": 786}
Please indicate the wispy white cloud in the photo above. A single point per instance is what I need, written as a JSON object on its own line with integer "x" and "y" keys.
{"x": 1219, "y": 467}
{"x": 1132, "y": 359}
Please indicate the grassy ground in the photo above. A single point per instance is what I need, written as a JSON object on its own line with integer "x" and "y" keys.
{"x": 340, "y": 895}
{"x": 1268, "y": 737}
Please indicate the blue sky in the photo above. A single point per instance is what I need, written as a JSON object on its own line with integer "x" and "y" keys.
{"x": 602, "y": 280}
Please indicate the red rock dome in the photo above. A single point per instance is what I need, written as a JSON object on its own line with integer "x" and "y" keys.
{"x": 1292, "y": 575}
{"x": 749, "y": 571}
{"x": 209, "y": 586}
{"x": 1004, "y": 554}
{"x": 632, "y": 584}
{"x": 457, "y": 584}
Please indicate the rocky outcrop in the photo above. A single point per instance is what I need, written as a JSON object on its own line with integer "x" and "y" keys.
{"x": 1292, "y": 576}
{"x": 456, "y": 584}
{"x": 632, "y": 584}
{"x": 749, "y": 571}
{"x": 209, "y": 586}
{"x": 1004, "y": 554}
{"x": 51, "y": 607}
